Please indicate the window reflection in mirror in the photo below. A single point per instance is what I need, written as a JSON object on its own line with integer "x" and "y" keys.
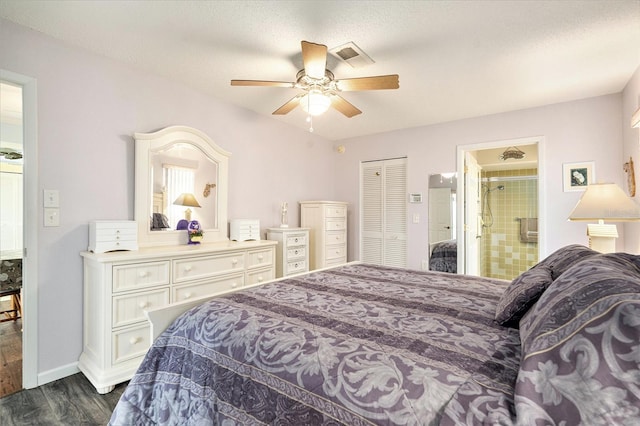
{"x": 442, "y": 222}
{"x": 183, "y": 169}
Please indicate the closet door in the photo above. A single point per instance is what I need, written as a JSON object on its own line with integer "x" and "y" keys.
{"x": 383, "y": 212}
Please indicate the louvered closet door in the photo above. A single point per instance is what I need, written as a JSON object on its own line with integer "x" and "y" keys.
{"x": 383, "y": 212}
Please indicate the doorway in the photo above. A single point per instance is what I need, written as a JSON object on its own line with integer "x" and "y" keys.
{"x": 11, "y": 231}
{"x": 501, "y": 200}
{"x": 24, "y": 88}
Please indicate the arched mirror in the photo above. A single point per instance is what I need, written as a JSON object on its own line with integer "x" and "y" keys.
{"x": 181, "y": 175}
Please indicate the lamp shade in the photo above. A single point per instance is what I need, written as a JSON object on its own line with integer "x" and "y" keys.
{"x": 605, "y": 201}
{"x": 315, "y": 102}
{"x": 186, "y": 199}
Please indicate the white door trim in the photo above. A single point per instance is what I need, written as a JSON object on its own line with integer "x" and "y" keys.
{"x": 30, "y": 226}
{"x": 542, "y": 203}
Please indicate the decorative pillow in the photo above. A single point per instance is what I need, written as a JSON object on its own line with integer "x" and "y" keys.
{"x": 521, "y": 294}
{"x": 565, "y": 257}
{"x": 580, "y": 346}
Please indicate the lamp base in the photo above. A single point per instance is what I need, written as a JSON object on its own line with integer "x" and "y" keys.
{"x": 602, "y": 237}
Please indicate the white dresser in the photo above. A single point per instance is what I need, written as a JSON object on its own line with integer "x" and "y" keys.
{"x": 292, "y": 252}
{"x": 120, "y": 286}
{"x": 328, "y": 236}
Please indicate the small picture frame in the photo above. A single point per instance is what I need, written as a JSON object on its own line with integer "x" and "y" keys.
{"x": 577, "y": 176}
{"x": 415, "y": 198}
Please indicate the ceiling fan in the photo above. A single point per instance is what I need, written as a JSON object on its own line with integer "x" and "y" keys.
{"x": 320, "y": 88}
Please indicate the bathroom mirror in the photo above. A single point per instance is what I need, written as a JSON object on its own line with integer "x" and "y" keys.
{"x": 171, "y": 163}
{"x": 442, "y": 222}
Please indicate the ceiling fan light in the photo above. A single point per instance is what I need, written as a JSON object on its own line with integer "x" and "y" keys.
{"x": 315, "y": 102}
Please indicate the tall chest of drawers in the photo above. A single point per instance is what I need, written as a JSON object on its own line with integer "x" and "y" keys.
{"x": 120, "y": 286}
{"x": 328, "y": 235}
{"x": 292, "y": 252}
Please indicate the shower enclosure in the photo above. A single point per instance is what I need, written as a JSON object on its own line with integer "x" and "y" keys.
{"x": 509, "y": 235}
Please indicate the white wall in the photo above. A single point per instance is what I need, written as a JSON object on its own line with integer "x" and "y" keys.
{"x": 630, "y": 104}
{"x": 585, "y": 130}
{"x": 88, "y": 109}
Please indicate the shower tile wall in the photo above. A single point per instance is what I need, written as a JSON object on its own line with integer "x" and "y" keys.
{"x": 503, "y": 254}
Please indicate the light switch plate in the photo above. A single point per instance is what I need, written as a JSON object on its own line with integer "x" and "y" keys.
{"x": 51, "y": 198}
{"x": 51, "y": 217}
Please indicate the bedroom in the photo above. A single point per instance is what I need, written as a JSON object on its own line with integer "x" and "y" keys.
{"x": 89, "y": 107}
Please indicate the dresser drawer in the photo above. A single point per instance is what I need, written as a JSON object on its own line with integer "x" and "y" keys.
{"x": 335, "y": 252}
{"x": 207, "y": 288}
{"x": 336, "y": 237}
{"x": 130, "y": 343}
{"x": 129, "y": 308}
{"x": 296, "y": 253}
{"x": 202, "y": 267}
{"x": 336, "y": 262}
{"x": 336, "y": 211}
{"x": 297, "y": 240}
{"x": 297, "y": 266}
{"x": 140, "y": 275}
{"x": 336, "y": 224}
{"x": 260, "y": 276}
{"x": 258, "y": 258}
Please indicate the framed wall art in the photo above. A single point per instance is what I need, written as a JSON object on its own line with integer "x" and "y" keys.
{"x": 577, "y": 176}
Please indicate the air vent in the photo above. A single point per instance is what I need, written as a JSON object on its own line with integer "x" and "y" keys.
{"x": 352, "y": 55}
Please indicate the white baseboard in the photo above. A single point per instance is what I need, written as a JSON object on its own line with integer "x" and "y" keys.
{"x": 58, "y": 373}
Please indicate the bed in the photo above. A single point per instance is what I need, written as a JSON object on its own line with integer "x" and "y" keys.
{"x": 444, "y": 256}
{"x": 366, "y": 345}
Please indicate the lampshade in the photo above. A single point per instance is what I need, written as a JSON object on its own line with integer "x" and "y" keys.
{"x": 186, "y": 199}
{"x": 315, "y": 102}
{"x": 605, "y": 201}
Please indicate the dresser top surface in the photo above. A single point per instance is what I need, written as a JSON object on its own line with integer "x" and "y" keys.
{"x": 177, "y": 251}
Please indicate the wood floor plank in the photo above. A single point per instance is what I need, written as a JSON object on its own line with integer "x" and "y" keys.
{"x": 69, "y": 401}
{"x": 10, "y": 357}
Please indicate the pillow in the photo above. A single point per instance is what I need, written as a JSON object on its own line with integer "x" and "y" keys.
{"x": 579, "y": 360}
{"x": 521, "y": 294}
{"x": 564, "y": 258}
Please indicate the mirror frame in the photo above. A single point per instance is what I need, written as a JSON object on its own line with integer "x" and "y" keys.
{"x": 148, "y": 143}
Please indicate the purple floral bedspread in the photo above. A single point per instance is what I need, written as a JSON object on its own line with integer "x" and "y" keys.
{"x": 353, "y": 345}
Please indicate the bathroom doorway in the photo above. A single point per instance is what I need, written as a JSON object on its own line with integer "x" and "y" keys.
{"x": 500, "y": 207}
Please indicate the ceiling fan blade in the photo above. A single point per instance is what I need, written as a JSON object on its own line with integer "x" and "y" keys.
{"x": 289, "y": 106}
{"x": 262, "y": 83}
{"x": 314, "y": 58}
{"x": 343, "y": 106}
{"x": 368, "y": 83}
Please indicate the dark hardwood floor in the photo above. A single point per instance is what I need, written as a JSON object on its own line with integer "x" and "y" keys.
{"x": 69, "y": 401}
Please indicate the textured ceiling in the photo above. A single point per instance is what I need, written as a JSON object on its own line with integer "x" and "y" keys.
{"x": 456, "y": 59}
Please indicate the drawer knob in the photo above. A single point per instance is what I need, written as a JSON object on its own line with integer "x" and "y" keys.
{"x": 135, "y": 340}
{"x": 234, "y": 285}
{"x": 296, "y": 251}
{"x": 143, "y": 274}
{"x": 234, "y": 261}
{"x": 187, "y": 268}
{"x": 260, "y": 257}
{"x": 260, "y": 279}
{"x": 296, "y": 240}
{"x": 143, "y": 305}
{"x": 187, "y": 296}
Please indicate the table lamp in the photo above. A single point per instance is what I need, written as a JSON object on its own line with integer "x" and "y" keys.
{"x": 600, "y": 202}
{"x": 188, "y": 200}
